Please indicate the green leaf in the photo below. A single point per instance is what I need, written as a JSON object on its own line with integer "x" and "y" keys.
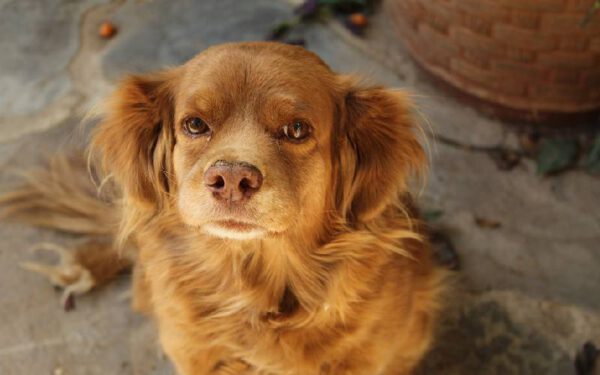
{"x": 432, "y": 215}
{"x": 343, "y": 2}
{"x": 590, "y": 14}
{"x": 592, "y": 163}
{"x": 345, "y": 6}
{"x": 324, "y": 13}
{"x": 280, "y": 30}
{"x": 556, "y": 155}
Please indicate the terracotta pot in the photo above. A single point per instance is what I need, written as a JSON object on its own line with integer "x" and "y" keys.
{"x": 528, "y": 60}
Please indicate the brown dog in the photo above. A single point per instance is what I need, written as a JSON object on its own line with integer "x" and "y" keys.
{"x": 263, "y": 198}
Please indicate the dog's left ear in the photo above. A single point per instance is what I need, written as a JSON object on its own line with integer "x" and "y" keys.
{"x": 377, "y": 149}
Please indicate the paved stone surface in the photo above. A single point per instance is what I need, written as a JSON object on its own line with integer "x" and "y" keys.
{"x": 39, "y": 40}
{"x": 163, "y": 33}
{"x": 501, "y": 333}
{"x": 546, "y": 244}
{"x": 35, "y": 58}
{"x": 529, "y": 294}
{"x": 37, "y": 336}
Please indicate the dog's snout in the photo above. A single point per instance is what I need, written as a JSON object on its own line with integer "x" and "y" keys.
{"x": 233, "y": 181}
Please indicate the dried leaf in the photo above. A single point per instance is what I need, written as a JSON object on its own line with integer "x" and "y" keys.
{"x": 487, "y": 223}
{"x": 592, "y": 162}
{"x": 506, "y": 159}
{"x": 530, "y": 143}
{"x": 556, "y": 155}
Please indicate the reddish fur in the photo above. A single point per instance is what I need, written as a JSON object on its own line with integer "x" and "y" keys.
{"x": 345, "y": 286}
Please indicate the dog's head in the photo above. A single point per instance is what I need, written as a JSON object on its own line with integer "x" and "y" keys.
{"x": 258, "y": 139}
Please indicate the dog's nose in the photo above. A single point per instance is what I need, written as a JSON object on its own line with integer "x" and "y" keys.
{"x": 233, "y": 181}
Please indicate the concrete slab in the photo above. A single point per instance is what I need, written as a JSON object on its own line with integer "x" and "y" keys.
{"x": 37, "y": 336}
{"x": 40, "y": 38}
{"x": 546, "y": 244}
{"x": 156, "y": 34}
{"x": 500, "y": 333}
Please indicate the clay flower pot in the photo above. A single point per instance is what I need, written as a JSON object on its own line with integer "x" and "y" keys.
{"x": 528, "y": 60}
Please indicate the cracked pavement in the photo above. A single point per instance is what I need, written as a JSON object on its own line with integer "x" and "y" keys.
{"x": 528, "y": 291}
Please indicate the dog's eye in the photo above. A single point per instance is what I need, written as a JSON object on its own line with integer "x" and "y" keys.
{"x": 297, "y": 130}
{"x": 195, "y": 126}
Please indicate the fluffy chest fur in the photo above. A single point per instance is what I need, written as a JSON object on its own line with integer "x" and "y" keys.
{"x": 275, "y": 304}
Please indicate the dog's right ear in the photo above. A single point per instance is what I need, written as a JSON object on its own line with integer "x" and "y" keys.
{"x": 134, "y": 141}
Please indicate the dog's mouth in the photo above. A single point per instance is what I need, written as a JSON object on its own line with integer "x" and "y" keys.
{"x": 235, "y": 229}
{"x": 239, "y": 226}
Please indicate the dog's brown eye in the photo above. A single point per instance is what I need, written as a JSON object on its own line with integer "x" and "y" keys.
{"x": 297, "y": 131}
{"x": 195, "y": 126}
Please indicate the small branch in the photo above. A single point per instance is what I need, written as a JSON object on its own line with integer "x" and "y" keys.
{"x": 590, "y": 14}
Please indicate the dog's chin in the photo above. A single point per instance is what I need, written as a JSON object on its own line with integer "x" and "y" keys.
{"x": 234, "y": 230}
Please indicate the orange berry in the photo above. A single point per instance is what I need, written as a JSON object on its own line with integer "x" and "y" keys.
{"x": 359, "y": 19}
{"x": 107, "y": 30}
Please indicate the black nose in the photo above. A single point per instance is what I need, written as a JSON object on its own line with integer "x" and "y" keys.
{"x": 233, "y": 181}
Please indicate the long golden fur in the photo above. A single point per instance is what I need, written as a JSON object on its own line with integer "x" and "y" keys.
{"x": 323, "y": 270}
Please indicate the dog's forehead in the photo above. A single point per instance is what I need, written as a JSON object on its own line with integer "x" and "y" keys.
{"x": 260, "y": 67}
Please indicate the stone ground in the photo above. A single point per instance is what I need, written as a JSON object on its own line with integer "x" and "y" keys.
{"x": 528, "y": 294}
